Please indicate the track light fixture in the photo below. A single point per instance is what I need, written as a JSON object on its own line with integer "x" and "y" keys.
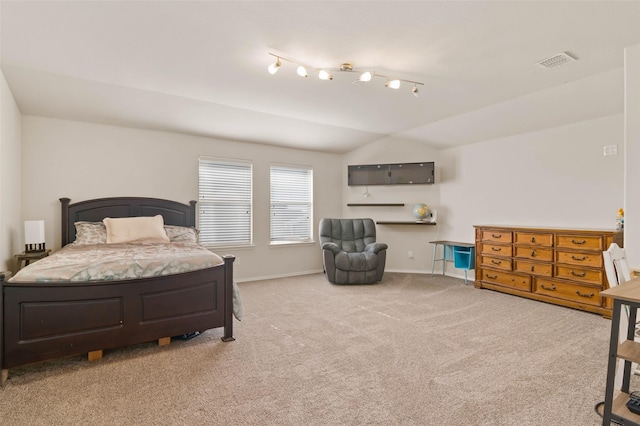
{"x": 273, "y": 68}
{"x": 302, "y": 71}
{"x": 392, "y": 84}
{"x": 326, "y": 73}
{"x": 365, "y": 77}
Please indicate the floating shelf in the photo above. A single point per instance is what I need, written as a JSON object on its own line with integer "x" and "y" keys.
{"x": 375, "y": 204}
{"x": 386, "y": 222}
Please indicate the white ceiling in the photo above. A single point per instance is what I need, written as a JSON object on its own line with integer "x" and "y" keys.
{"x": 200, "y": 67}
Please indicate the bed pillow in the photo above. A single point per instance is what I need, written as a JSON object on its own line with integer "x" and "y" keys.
{"x": 90, "y": 233}
{"x": 136, "y": 229}
{"x": 181, "y": 234}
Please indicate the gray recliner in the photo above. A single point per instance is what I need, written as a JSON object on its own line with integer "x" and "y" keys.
{"x": 351, "y": 253}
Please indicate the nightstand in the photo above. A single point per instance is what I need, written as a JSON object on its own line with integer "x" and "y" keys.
{"x": 25, "y": 258}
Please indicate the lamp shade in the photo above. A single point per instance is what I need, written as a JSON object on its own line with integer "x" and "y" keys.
{"x": 34, "y": 235}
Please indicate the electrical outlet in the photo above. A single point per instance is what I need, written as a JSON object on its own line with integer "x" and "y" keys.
{"x": 610, "y": 150}
{"x": 410, "y": 254}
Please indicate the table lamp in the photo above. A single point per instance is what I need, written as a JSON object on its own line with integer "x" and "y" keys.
{"x": 34, "y": 236}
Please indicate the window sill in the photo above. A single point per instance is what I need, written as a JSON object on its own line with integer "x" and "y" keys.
{"x": 291, "y": 243}
{"x": 217, "y": 249}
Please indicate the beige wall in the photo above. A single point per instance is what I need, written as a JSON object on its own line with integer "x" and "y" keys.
{"x": 11, "y": 238}
{"x": 555, "y": 177}
{"x": 552, "y": 177}
{"x": 83, "y": 161}
{"x": 632, "y": 159}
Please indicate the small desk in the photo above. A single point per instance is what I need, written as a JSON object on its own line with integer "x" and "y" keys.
{"x": 463, "y": 255}
{"x": 27, "y": 258}
{"x": 626, "y": 294}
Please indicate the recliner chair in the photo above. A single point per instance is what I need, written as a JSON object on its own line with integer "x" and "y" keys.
{"x": 350, "y": 251}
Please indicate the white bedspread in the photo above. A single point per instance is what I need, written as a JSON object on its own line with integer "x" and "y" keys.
{"x": 109, "y": 262}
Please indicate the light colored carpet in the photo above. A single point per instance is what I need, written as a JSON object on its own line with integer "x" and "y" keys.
{"x": 412, "y": 350}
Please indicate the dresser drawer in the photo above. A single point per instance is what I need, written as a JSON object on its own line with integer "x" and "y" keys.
{"x": 542, "y": 254}
{"x": 568, "y": 291}
{"x": 533, "y": 239}
{"x": 506, "y": 279}
{"x": 496, "y": 250}
{"x": 544, "y": 269}
{"x": 592, "y": 276}
{"x": 496, "y": 262}
{"x": 497, "y": 236}
{"x": 593, "y": 260}
{"x": 582, "y": 242}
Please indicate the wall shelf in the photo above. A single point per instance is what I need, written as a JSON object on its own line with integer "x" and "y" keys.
{"x": 375, "y": 204}
{"x": 388, "y": 222}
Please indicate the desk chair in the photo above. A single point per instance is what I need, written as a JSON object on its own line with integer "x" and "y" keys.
{"x": 617, "y": 270}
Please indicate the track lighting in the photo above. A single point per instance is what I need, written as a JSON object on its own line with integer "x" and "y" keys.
{"x": 365, "y": 77}
{"x": 392, "y": 84}
{"x": 273, "y": 68}
{"x": 326, "y": 73}
{"x": 302, "y": 71}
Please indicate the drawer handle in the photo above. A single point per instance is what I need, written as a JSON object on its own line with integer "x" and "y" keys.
{"x": 496, "y": 235}
{"x": 552, "y": 288}
{"x": 533, "y": 253}
{"x": 579, "y": 258}
{"x": 496, "y": 248}
{"x": 578, "y": 242}
{"x": 584, "y": 295}
{"x": 491, "y": 277}
{"x": 496, "y": 262}
{"x": 533, "y": 239}
{"x": 575, "y": 274}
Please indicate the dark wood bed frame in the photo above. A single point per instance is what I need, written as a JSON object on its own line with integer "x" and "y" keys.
{"x": 42, "y": 321}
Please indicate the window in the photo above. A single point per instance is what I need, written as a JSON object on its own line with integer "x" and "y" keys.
{"x": 291, "y": 204}
{"x": 224, "y": 204}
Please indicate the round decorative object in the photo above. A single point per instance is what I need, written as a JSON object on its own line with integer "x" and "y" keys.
{"x": 421, "y": 212}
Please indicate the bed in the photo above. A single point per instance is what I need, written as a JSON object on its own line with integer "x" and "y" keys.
{"x": 43, "y": 320}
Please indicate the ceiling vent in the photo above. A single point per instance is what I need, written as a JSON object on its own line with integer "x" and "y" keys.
{"x": 556, "y": 60}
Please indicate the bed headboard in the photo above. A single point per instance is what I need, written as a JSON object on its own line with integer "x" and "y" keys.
{"x": 173, "y": 212}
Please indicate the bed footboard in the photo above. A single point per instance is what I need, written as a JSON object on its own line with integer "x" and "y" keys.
{"x": 42, "y": 321}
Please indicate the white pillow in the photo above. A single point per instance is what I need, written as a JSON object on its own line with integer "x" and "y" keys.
{"x": 136, "y": 229}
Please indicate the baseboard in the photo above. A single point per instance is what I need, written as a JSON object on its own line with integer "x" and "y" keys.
{"x": 270, "y": 277}
{"x": 319, "y": 271}
{"x": 457, "y": 274}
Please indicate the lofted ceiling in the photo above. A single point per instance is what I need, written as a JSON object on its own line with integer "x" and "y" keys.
{"x": 201, "y": 67}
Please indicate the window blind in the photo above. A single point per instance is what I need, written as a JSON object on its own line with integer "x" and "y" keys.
{"x": 291, "y": 203}
{"x": 225, "y": 202}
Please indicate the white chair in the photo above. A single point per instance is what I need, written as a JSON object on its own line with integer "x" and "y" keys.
{"x": 615, "y": 265}
{"x": 617, "y": 270}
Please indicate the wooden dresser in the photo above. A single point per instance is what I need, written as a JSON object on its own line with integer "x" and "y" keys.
{"x": 560, "y": 266}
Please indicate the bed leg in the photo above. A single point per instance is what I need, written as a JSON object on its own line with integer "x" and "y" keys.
{"x": 164, "y": 341}
{"x": 4, "y": 376}
{"x": 95, "y": 355}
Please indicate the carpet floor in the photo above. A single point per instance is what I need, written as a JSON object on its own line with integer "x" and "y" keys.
{"x": 411, "y": 350}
